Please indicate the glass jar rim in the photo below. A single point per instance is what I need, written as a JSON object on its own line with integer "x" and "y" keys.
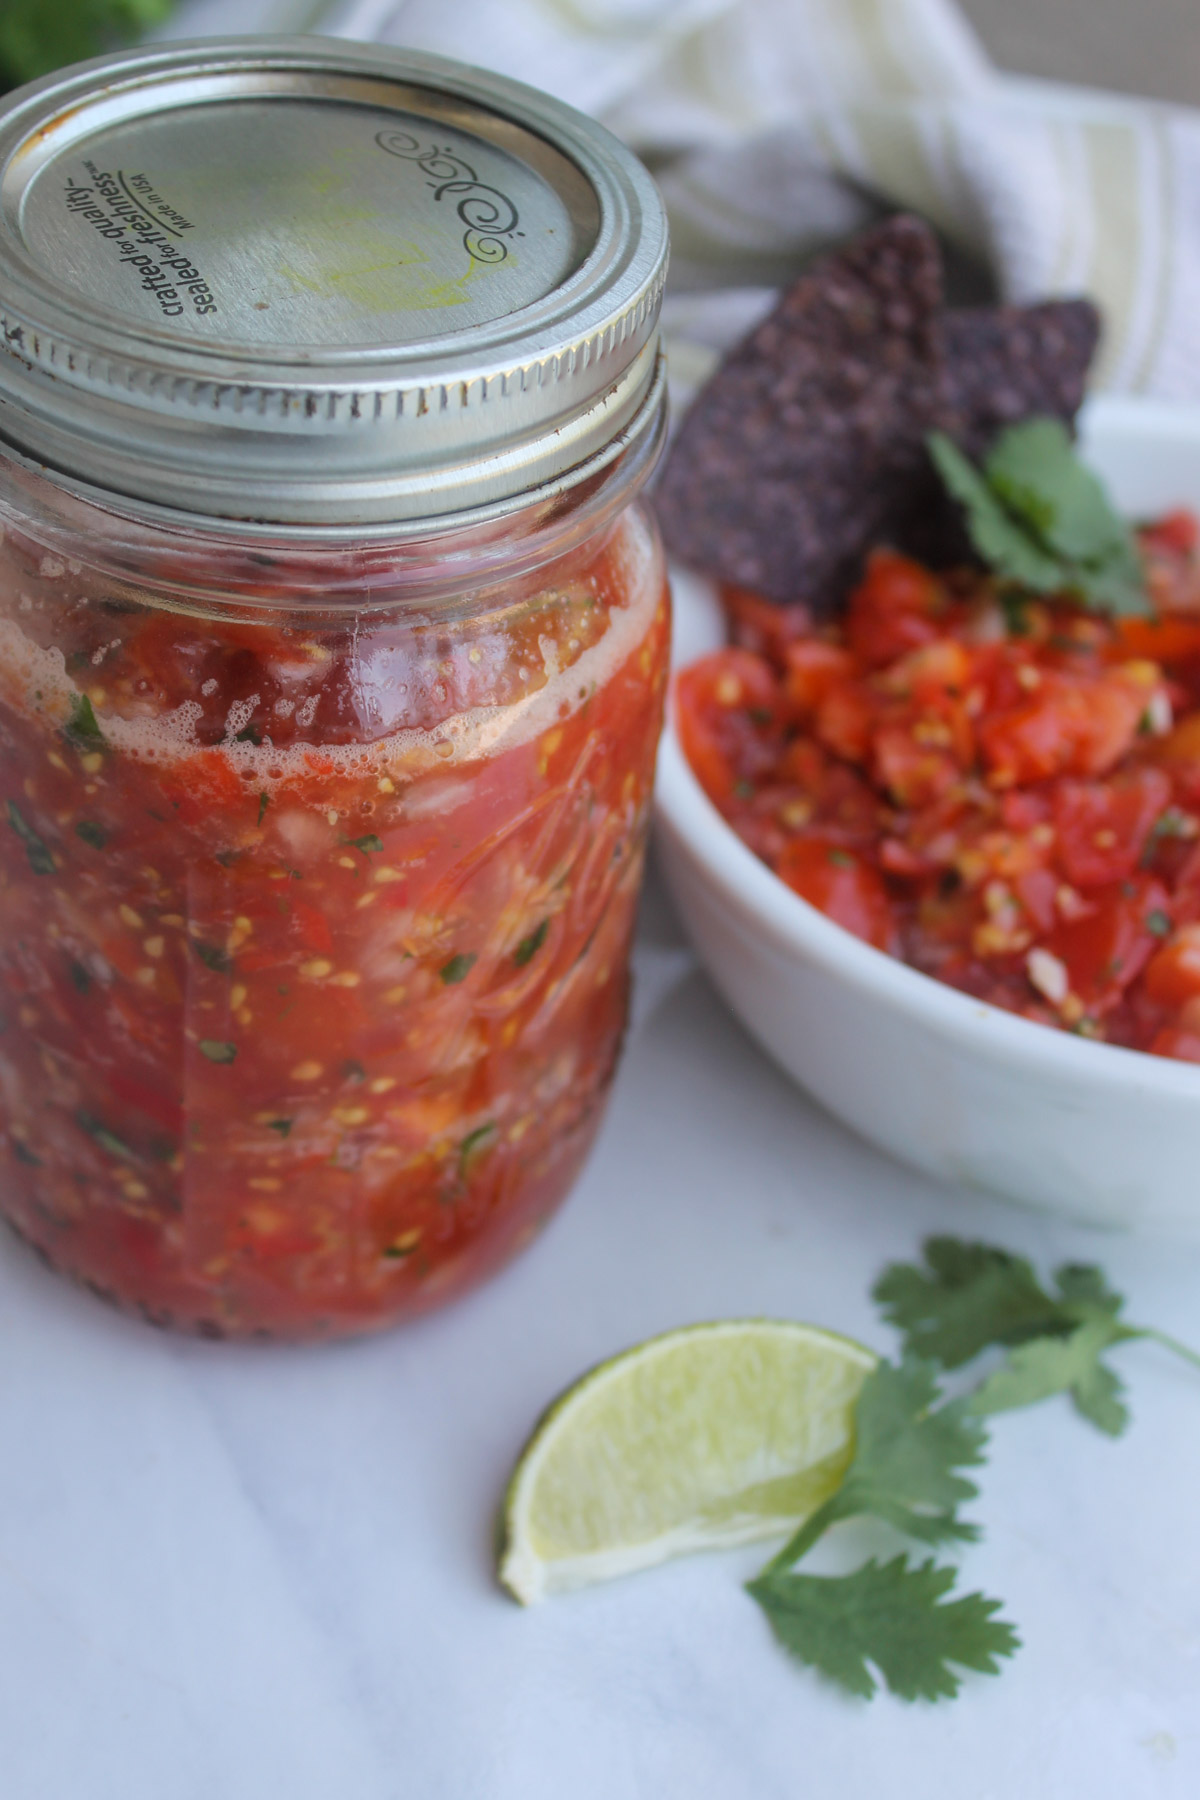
{"x": 329, "y": 569}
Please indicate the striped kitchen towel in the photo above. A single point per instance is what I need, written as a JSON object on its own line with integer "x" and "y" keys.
{"x": 778, "y": 126}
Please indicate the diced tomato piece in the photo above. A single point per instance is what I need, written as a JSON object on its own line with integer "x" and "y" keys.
{"x": 730, "y": 709}
{"x": 1109, "y": 946}
{"x": 211, "y": 785}
{"x": 1181, "y": 747}
{"x": 840, "y": 884}
{"x": 1177, "y": 531}
{"x": 942, "y": 666}
{"x": 812, "y": 668}
{"x": 844, "y": 721}
{"x": 895, "y": 608}
{"x": 1173, "y": 975}
{"x": 1037, "y": 890}
{"x": 1070, "y": 725}
{"x": 1184, "y": 1046}
{"x": 311, "y": 927}
{"x": 1102, "y": 827}
{"x": 1166, "y": 640}
{"x": 914, "y": 773}
{"x": 762, "y": 625}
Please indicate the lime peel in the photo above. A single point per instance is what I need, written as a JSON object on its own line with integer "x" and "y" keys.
{"x": 708, "y": 1436}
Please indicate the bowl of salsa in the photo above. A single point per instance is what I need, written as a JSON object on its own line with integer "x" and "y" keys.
{"x": 941, "y": 856}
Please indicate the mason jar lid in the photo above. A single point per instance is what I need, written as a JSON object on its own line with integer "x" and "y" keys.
{"x": 306, "y": 282}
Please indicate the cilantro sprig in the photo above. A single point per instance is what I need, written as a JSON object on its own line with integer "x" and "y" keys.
{"x": 966, "y": 1298}
{"x": 909, "y": 1451}
{"x": 1041, "y": 519}
{"x": 911, "y": 1446}
{"x": 894, "y": 1615}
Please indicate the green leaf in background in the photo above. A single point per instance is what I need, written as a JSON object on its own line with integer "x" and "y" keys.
{"x": 1041, "y": 519}
{"x": 892, "y": 1615}
{"x": 37, "y": 36}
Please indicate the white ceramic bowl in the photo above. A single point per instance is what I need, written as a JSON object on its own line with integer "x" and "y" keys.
{"x": 955, "y": 1087}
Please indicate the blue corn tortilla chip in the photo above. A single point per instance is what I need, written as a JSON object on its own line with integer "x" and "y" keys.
{"x": 808, "y": 445}
{"x": 804, "y": 442}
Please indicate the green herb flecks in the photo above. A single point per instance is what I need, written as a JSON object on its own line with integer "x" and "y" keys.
{"x": 82, "y": 728}
{"x": 264, "y": 800}
{"x": 529, "y": 946}
{"x": 40, "y": 859}
{"x": 369, "y": 844}
{"x": 1158, "y": 923}
{"x": 213, "y": 957}
{"x": 81, "y": 981}
{"x": 249, "y": 734}
{"x": 1042, "y": 521}
{"x": 24, "y": 1154}
{"x": 458, "y": 968}
{"x": 282, "y": 1126}
{"x": 108, "y": 1140}
{"x": 217, "y": 1050}
{"x": 473, "y": 1143}
{"x": 91, "y": 833}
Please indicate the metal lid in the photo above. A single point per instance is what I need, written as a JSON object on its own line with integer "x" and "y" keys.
{"x": 312, "y": 282}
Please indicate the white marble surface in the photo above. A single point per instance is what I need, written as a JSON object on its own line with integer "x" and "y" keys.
{"x": 242, "y": 1574}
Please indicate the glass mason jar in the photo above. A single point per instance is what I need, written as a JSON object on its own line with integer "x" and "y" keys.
{"x": 327, "y": 713}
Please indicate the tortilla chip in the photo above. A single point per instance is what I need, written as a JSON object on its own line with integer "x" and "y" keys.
{"x": 1007, "y": 363}
{"x": 807, "y": 446}
{"x": 803, "y": 445}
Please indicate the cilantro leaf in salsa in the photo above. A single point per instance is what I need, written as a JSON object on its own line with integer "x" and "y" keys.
{"x": 1041, "y": 519}
{"x": 217, "y": 1050}
{"x": 82, "y": 728}
{"x": 529, "y": 946}
{"x": 213, "y": 957}
{"x": 458, "y": 968}
{"x": 40, "y": 859}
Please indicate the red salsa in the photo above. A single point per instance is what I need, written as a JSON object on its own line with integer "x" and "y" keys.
{"x": 1004, "y": 792}
{"x": 313, "y": 929}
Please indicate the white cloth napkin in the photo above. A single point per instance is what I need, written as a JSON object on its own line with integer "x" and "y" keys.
{"x": 777, "y": 126}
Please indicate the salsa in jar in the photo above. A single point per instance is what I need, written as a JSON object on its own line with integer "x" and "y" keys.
{"x": 322, "y": 843}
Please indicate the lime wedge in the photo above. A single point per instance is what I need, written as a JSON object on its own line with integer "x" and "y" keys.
{"x": 713, "y": 1435}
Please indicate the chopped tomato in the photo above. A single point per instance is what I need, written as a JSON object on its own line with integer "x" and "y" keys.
{"x": 1106, "y": 948}
{"x": 1102, "y": 827}
{"x": 841, "y": 884}
{"x": 730, "y": 715}
{"x": 895, "y": 608}
{"x": 1173, "y": 976}
{"x": 1017, "y": 814}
